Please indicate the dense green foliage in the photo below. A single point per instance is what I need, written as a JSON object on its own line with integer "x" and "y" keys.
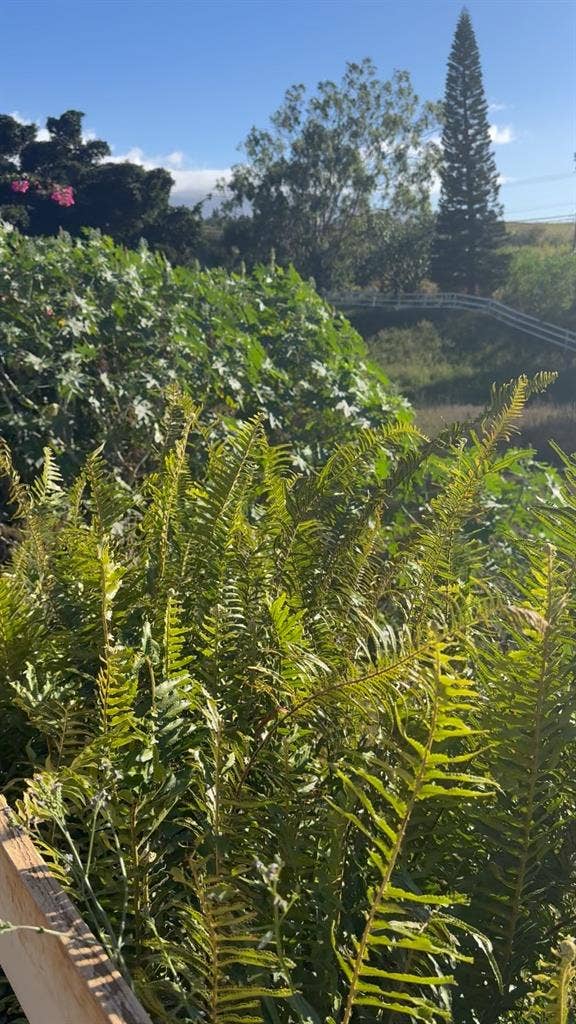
{"x": 91, "y": 334}
{"x": 122, "y": 199}
{"x": 290, "y": 769}
{"x": 469, "y": 229}
{"x": 542, "y": 280}
{"x": 397, "y": 252}
{"x": 313, "y": 180}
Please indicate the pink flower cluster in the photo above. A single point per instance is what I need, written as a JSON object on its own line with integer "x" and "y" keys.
{"x": 63, "y": 195}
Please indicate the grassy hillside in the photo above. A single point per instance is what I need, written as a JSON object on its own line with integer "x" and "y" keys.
{"x": 543, "y": 233}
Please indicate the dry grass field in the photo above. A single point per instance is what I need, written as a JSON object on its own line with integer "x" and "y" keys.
{"x": 540, "y": 424}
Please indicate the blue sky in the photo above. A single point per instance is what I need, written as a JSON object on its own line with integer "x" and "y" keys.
{"x": 180, "y": 82}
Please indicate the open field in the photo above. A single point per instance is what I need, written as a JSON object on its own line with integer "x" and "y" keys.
{"x": 539, "y": 424}
{"x": 544, "y": 233}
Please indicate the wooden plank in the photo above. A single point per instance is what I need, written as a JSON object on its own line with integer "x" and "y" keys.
{"x": 58, "y": 980}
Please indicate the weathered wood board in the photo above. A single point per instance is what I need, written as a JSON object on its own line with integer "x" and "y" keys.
{"x": 58, "y": 980}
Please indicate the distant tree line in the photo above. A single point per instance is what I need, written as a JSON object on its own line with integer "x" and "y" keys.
{"x": 339, "y": 185}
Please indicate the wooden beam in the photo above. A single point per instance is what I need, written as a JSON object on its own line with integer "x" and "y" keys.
{"x": 58, "y": 980}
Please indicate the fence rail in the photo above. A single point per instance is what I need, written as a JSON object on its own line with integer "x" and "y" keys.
{"x": 531, "y": 325}
{"x": 59, "y": 972}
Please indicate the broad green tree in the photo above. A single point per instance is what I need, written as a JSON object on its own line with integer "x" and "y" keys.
{"x": 313, "y": 180}
{"x": 469, "y": 227}
{"x": 398, "y": 257}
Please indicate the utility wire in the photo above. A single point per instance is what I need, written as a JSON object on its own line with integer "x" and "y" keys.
{"x": 536, "y": 209}
{"x": 564, "y": 219}
{"x": 537, "y": 180}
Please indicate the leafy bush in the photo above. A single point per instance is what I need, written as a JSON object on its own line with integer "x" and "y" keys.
{"x": 542, "y": 280}
{"x": 287, "y": 773}
{"x": 91, "y": 334}
{"x": 417, "y": 358}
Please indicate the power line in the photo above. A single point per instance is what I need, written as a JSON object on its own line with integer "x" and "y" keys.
{"x": 565, "y": 218}
{"x": 536, "y": 180}
{"x": 536, "y": 209}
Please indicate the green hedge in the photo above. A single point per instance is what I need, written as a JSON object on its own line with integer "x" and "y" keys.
{"x": 92, "y": 334}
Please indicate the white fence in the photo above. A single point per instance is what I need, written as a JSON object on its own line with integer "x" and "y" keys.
{"x": 453, "y": 300}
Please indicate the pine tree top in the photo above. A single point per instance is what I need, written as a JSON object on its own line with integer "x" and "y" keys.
{"x": 468, "y": 225}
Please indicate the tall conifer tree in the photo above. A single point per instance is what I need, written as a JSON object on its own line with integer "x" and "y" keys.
{"x": 469, "y": 228}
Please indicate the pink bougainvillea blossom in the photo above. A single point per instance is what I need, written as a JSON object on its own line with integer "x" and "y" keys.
{"x": 20, "y": 185}
{"x": 63, "y": 195}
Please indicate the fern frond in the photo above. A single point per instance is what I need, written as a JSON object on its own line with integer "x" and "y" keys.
{"x": 220, "y": 939}
{"x": 47, "y": 489}
{"x": 426, "y": 769}
{"x": 555, "y": 995}
{"x": 55, "y": 708}
{"x": 117, "y": 687}
{"x": 18, "y": 493}
{"x": 528, "y": 680}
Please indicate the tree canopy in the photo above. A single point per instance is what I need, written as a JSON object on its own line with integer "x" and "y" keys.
{"x": 314, "y": 178}
{"x": 67, "y": 182}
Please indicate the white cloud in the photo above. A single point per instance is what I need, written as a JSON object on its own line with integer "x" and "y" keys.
{"x": 191, "y": 184}
{"x": 498, "y": 106}
{"x": 500, "y": 135}
{"x": 175, "y": 159}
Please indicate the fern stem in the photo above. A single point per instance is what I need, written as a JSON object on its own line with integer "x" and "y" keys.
{"x": 137, "y": 879}
{"x": 106, "y": 932}
{"x": 97, "y": 806}
{"x": 565, "y": 979}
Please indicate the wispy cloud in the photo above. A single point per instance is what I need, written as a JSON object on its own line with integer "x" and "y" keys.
{"x": 500, "y": 135}
{"x": 495, "y": 107}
